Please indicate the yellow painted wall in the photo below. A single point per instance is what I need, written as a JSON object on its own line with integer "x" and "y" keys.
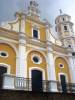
{"x": 11, "y": 59}
{"x": 30, "y": 63}
{"x": 42, "y": 33}
{"x": 62, "y": 70}
{"x": 28, "y": 30}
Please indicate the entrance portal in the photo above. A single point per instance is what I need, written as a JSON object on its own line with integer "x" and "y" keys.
{"x": 63, "y": 83}
{"x": 36, "y": 80}
{"x": 2, "y": 71}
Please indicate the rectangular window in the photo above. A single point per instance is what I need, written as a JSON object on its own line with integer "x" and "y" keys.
{"x": 35, "y": 33}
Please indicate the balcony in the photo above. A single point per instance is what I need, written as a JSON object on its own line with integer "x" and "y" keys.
{"x": 19, "y": 83}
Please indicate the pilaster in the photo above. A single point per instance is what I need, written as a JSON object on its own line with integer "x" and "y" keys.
{"x": 72, "y": 67}
{"x": 22, "y": 56}
{"x": 22, "y": 69}
{"x": 51, "y": 70}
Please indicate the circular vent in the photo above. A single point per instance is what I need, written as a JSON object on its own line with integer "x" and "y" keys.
{"x": 35, "y": 59}
{"x": 3, "y": 54}
{"x": 61, "y": 65}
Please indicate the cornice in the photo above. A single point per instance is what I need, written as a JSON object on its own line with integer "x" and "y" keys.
{"x": 29, "y": 40}
{"x": 8, "y": 34}
{"x": 35, "y": 42}
{"x": 40, "y": 22}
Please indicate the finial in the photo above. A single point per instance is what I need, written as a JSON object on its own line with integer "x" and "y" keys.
{"x": 60, "y": 11}
{"x": 32, "y": 0}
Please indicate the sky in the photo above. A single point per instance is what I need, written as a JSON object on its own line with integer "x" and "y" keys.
{"x": 49, "y": 9}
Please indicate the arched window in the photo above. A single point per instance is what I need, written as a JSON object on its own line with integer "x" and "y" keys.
{"x": 63, "y": 19}
{"x": 65, "y": 28}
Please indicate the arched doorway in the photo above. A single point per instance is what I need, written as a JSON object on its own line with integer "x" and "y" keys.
{"x": 63, "y": 83}
{"x": 62, "y": 73}
{"x": 2, "y": 71}
{"x": 36, "y": 80}
{"x": 8, "y": 56}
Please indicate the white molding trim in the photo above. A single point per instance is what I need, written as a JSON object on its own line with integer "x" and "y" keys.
{"x": 5, "y": 53}
{"x": 7, "y": 66}
{"x": 32, "y": 50}
{"x": 61, "y": 54}
{"x": 64, "y": 75}
{"x": 61, "y": 57}
{"x": 36, "y": 47}
{"x": 10, "y": 44}
{"x": 15, "y": 50}
{"x": 36, "y": 28}
{"x": 7, "y": 39}
{"x": 37, "y": 68}
{"x": 60, "y": 66}
{"x": 39, "y": 58}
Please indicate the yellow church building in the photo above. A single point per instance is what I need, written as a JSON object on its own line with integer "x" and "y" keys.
{"x": 31, "y": 59}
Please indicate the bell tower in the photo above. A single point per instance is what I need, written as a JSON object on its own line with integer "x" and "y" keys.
{"x": 64, "y": 28}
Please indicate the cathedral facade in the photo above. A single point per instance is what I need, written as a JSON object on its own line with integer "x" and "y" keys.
{"x": 31, "y": 59}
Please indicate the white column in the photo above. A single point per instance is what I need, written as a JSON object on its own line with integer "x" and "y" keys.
{"x": 22, "y": 28}
{"x": 22, "y": 69}
{"x": 17, "y": 65}
{"x": 72, "y": 67}
{"x": 51, "y": 71}
{"x": 22, "y": 56}
{"x": 47, "y": 32}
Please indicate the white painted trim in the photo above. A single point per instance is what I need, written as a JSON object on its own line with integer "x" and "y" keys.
{"x": 10, "y": 44}
{"x": 61, "y": 57}
{"x": 15, "y": 50}
{"x": 7, "y": 39}
{"x": 62, "y": 66}
{"x": 36, "y": 47}
{"x": 64, "y": 75}
{"x": 38, "y": 34}
{"x": 61, "y": 54}
{"x": 37, "y": 68}
{"x": 7, "y": 66}
{"x": 67, "y": 64}
{"x": 5, "y": 53}
{"x": 36, "y": 28}
{"x": 33, "y": 50}
{"x": 36, "y": 25}
{"x": 22, "y": 68}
